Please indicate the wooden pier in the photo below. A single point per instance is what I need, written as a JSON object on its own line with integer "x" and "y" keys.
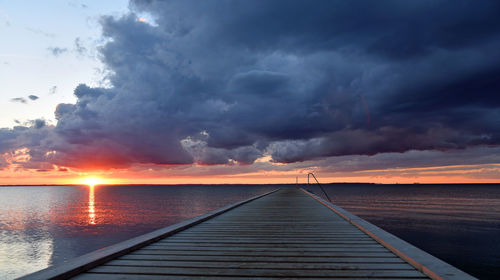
{"x": 285, "y": 234}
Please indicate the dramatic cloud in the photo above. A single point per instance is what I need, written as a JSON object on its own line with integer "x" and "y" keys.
{"x": 228, "y": 82}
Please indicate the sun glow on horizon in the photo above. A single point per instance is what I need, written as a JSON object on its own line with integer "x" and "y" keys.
{"x": 93, "y": 181}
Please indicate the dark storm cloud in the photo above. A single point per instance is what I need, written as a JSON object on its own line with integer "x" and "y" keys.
{"x": 38, "y": 123}
{"x": 226, "y": 82}
{"x": 37, "y": 137}
{"x": 412, "y": 163}
{"x": 422, "y": 159}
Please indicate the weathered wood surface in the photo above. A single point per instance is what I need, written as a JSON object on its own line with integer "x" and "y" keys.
{"x": 283, "y": 235}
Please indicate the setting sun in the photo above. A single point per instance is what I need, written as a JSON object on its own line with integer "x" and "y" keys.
{"x": 92, "y": 181}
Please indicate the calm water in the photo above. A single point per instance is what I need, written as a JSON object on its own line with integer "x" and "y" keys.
{"x": 40, "y": 226}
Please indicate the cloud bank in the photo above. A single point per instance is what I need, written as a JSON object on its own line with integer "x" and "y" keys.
{"x": 228, "y": 82}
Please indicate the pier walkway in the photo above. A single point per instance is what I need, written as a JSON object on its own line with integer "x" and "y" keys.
{"x": 287, "y": 234}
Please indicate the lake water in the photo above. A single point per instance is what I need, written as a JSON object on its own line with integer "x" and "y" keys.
{"x": 41, "y": 226}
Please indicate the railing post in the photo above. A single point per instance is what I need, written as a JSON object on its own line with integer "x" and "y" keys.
{"x": 321, "y": 187}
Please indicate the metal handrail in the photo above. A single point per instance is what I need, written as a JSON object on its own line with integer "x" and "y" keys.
{"x": 321, "y": 187}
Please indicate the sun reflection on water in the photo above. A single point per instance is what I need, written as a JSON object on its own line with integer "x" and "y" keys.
{"x": 92, "y": 216}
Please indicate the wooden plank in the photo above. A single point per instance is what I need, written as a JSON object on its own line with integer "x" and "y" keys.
{"x": 275, "y": 232}
{"x": 266, "y": 249}
{"x": 332, "y": 232}
{"x": 287, "y": 229}
{"x": 279, "y": 224}
{"x": 257, "y": 240}
{"x": 265, "y": 245}
{"x": 272, "y": 259}
{"x": 277, "y": 239}
{"x": 279, "y": 236}
{"x": 298, "y": 243}
{"x": 116, "y": 276}
{"x": 271, "y": 234}
{"x": 263, "y": 265}
{"x": 412, "y": 273}
{"x": 270, "y": 253}
{"x": 290, "y": 230}
{"x": 251, "y": 246}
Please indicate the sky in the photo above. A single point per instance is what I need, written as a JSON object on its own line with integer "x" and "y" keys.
{"x": 147, "y": 91}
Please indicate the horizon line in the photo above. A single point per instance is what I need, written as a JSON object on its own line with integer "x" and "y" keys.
{"x": 239, "y": 184}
